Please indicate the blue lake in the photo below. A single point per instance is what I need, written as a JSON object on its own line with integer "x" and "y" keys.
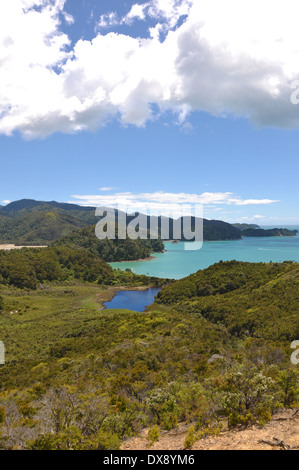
{"x": 177, "y": 263}
{"x": 133, "y": 300}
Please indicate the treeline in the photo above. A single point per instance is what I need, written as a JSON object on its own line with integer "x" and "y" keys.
{"x": 28, "y": 267}
{"x": 214, "y": 230}
{"x": 224, "y": 277}
{"x": 250, "y": 299}
{"x": 111, "y": 250}
{"x": 275, "y": 232}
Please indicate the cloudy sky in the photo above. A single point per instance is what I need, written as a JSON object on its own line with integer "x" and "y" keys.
{"x": 155, "y": 102}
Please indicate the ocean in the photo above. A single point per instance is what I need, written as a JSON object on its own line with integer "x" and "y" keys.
{"x": 177, "y": 263}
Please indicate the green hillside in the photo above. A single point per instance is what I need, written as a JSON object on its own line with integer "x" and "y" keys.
{"x": 22, "y": 206}
{"x": 213, "y": 351}
{"x": 28, "y": 268}
{"x": 245, "y": 226}
{"x": 37, "y": 228}
{"x": 39, "y": 223}
{"x": 275, "y": 232}
{"x": 249, "y": 299}
{"x": 214, "y": 230}
{"x": 29, "y": 222}
{"x": 111, "y": 250}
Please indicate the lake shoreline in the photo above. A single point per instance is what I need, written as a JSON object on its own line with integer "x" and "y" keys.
{"x": 109, "y": 293}
{"x": 135, "y": 299}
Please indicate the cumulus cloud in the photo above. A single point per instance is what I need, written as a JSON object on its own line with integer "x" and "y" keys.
{"x": 167, "y": 11}
{"x": 160, "y": 202}
{"x": 225, "y": 58}
{"x": 138, "y": 11}
{"x": 108, "y": 20}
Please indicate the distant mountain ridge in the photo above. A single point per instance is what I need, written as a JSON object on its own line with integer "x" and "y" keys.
{"x": 28, "y": 204}
{"x": 273, "y": 232}
{"x": 31, "y": 222}
{"x": 39, "y": 222}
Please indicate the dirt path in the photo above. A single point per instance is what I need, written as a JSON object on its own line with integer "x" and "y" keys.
{"x": 284, "y": 427}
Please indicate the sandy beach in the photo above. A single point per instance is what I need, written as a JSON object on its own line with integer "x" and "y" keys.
{"x": 14, "y": 247}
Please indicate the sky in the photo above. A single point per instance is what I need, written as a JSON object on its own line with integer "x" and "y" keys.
{"x": 152, "y": 104}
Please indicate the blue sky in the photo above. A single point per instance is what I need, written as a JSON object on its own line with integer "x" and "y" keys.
{"x": 93, "y": 114}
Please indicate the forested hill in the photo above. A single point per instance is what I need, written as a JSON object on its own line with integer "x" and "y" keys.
{"x": 275, "y": 232}
{"x": 29, "y": 222}
{"x": 32, "y": 222}
{"x": 127, "y": 250}
{"x": 214, "y": 230}
{"x": 250, "y": 299}
{"x": 26, "y": 205}
{"x": 245, "y": 226}
{"x": 111, "y": 250}
{"x": 29, "y": 268}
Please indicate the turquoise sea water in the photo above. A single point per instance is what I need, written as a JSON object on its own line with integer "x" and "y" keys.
{"x": 177, "y": 263}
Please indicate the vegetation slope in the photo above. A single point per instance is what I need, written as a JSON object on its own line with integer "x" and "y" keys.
{"x": 213, "y": 350}
{"x": 38, "y": 222}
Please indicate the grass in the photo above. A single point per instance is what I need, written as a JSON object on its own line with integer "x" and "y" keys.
{"x": 32, "y": 323}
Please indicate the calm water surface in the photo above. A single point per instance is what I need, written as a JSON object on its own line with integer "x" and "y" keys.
{"x": 133, "y": 300}
{"x": 177, "y": 263}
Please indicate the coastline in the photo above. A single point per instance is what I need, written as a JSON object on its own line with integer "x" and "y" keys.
{"x": 138, "y": 260}
{"x": 176, "y": 263}
{"x": 134, "y": 260}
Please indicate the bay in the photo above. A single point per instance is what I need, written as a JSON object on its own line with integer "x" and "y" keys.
{"x": 177, "y": 263}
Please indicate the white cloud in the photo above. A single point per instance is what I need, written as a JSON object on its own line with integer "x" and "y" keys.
{"x": 229, "y": 57}
{"x": 167, "y": 11}
{"x": 170, "y": 10}
{"x": 30, "y": 47}
{"x": 159, "y": 201}
{"x": 108, "y": 20}
{"x": 137, "y": 12}
{"x": 6, "y": 201}
{"x": 108, "y": 188}
{"x": 68, "y": 18}
{"x": 278, "y": 222}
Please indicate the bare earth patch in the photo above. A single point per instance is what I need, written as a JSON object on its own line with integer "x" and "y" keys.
{"x": 283, "y": 429}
